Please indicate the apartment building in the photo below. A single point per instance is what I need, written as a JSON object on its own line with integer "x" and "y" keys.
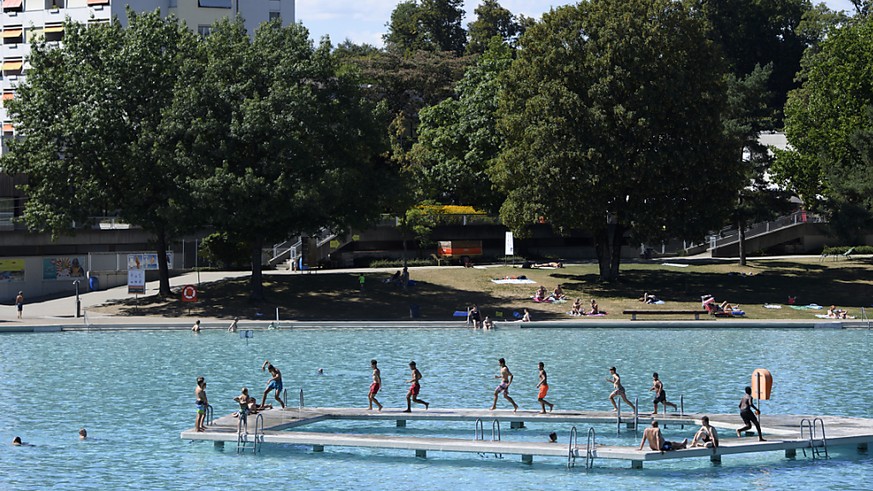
{"x": 22, "y": 21}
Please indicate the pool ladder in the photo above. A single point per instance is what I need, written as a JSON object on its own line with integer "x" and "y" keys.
{"x": 864, "y": 317}
{"x": 209, "y": 415}
{"x": 242, "y": 435}
{"x": 817, "y": 446}
{"x": 573, "y": 448}
{"x": 479, "y": 434}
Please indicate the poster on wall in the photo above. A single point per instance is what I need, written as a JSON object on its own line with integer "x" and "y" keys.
{"x": 62, "y": 268}
{"x": 11, "y": 270}
{"x": 147, "y": 261}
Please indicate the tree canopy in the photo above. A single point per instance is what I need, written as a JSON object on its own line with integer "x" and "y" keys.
{"x": 430, "y": 25}
{"x": 491, "y": 20}
{"x": 287, "y": 141}
{"x": 828, "y": 121}
{"x": 92, "y": 116}
{"x": 613, "y": 122}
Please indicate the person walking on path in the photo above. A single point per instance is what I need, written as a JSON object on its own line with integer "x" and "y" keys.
{"x": 618, "y": 390}
{"x": 275, "y": 383}
{"x": 202, "y": 403}
{"x": 361, "y": 280}
{"x": 506, "y": 380}
{"x": 660, "y": 394}
{"x": 543, "y": 385}
{"x": 746, "y": 406}
{"x": 19, "y": 303}
{"x": 374, "y": 387}
{"x": 414, "y": 389}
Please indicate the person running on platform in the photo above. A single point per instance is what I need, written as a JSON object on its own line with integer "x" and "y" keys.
{"x": 660, "y": 394}
{"x": 706, "y": 436}
{"x": 374, "y": 387}
{"x": 618, "y": 390}
{"x": 746, "y": 406}
{"x": 414, "y": 389}
{"x": 506, "y": 380}
{"x": 543, "y": 385}
{"x": 657, "y": 442}
{"x": 202, "y": 404}
{"x": 275, "y": 383}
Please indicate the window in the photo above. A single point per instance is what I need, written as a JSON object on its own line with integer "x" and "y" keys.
{"x": 12, "y": 5}
{"x": 204, "y": 30}
{"x": 274, "y": 16}
{"x": 54, "y": 32}
{"x": 54, "y": 4}
{"x": 214, "y": 4}
{"x": 12, "y": 67}
{"x": 13, "y": 35}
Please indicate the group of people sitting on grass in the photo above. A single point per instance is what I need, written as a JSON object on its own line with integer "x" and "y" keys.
{"x": 557, "y": 295}
{"x": 593, "y": 309}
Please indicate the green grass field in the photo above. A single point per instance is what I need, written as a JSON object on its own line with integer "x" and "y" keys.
{"x": 441, "y": 291}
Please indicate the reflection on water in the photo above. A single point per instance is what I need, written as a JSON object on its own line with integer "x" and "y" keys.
{"x": 134, "y": 392}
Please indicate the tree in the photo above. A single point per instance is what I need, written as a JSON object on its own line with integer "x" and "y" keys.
{"x": 491, "y": 20}
{"x": 458, "y": 138}
{"x": 827, "y": 120}
{"x": 92, "y": 117}
{"x": 759, "y": 33}
{"x": 747, "y": 115}
{"x": 291, "y": 143}
{"x": 613, "y": 122}
{"x": 430, "y": 25}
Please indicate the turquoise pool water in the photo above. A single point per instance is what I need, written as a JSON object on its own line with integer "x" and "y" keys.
{"x": 134, "y": 394}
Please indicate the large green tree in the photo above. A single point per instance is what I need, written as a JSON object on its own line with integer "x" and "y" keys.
{"x": 491, "y": 20}
{"x": 430, "y": 25}
{"x": 613, "y": 119}
{"x": 760, "y": 33}
{"x": 290, "y": 143}
{"x": 92, "y": 120}
{"x": 827, "y": 124}
{"x": 458, "y": 138}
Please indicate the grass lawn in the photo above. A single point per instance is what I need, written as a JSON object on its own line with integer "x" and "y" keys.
{"x": 441, "y": 291}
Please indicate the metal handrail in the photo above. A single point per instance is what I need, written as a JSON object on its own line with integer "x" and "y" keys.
{"x": 209, "y": 415}
{"x": 637, "y": 413}
{"x": 572, "y": 446}
{"x": 259, "y": 433}
{"x": 592, "y": 447}
{"x": 495, "y": 435}
{"x": 618, "y": 417}
{"x": 300, "y": 401}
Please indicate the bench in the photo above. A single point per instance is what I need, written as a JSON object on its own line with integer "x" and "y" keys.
{"x": 634, "y": 313}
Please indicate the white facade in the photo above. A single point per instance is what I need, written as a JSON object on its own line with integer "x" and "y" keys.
{"x": 22, "y": 20}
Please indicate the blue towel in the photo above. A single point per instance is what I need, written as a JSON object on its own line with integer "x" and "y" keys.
{"x": 460, "y": 313}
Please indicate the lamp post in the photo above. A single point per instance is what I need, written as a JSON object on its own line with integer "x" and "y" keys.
{"x": 78, "y": 303}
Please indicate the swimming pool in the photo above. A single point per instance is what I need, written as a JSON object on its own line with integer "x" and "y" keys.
{"x": 134, "y": 393}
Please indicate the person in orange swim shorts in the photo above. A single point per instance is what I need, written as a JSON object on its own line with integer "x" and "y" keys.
{"x": 543, "y": 385}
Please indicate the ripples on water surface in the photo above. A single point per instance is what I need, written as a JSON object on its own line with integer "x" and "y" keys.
{"x": 134, "y": 393}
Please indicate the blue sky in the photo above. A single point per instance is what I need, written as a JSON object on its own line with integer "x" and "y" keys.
{"x": 363, "y": 21}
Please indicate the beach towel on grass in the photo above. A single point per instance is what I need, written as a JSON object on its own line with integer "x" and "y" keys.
{"x": 513, "y": 281}
{"x": 825, "y": 316}
{"x": 811, "y": 306}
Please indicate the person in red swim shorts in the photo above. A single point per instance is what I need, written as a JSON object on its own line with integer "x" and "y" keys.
{"x": 374, "y": 387}
{"x": 414, "y": 389}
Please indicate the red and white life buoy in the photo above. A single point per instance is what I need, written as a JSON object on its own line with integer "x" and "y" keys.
{"x": 189, "y": 293}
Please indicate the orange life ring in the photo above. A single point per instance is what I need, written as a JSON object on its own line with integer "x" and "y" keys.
{"x": 189, "y": 293}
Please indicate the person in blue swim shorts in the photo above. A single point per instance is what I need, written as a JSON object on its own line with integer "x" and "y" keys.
{"x": 275, "y": 383}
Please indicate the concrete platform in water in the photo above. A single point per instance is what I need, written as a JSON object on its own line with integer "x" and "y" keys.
{"x": 783, "y": 433}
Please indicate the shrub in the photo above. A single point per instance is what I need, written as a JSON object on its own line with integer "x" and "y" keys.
{"x": 398, "y": 263}
{"x": 838, "y": 250}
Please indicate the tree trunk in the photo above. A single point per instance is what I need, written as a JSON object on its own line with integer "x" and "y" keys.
{"x": 256, "y": 283}
{"x": 741, "y": 227}
{"x": 607, "y": 244}
{"x": 163, "y": 269}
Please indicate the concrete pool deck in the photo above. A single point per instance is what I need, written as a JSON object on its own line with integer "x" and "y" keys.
{"x": 783, "y": 433}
